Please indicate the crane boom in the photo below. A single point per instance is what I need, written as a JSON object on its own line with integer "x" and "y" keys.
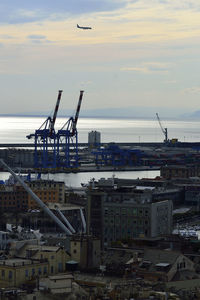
{"x": 164, "y": 130}
{"x": 55, "y": 112}
{"x": 75, "y": 120}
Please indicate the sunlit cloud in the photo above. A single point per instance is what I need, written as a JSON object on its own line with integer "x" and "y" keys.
{"x": 112, "y": 21}
{"x": 149, "y": 67}
{"x": 129, "y": 41}
{"x": 6, "y": 36}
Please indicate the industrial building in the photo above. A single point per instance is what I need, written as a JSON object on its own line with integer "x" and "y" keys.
{"x": 94, "y": 138}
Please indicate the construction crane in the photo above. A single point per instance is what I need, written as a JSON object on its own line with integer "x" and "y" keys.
{"x": 67, "y": 141}
{"x": 45, "y": 140}
{"x": 164, "y": 130}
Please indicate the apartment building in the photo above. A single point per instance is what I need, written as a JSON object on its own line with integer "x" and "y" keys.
{"x": 123, "y": 213}
{"x": 14, "y": 198}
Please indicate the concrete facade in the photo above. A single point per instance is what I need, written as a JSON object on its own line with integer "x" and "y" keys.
{"x": 94, "y": 138}
{"x": 117, "y": 214}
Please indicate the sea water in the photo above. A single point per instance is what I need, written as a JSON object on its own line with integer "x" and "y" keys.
{"x": 15, "y": 130}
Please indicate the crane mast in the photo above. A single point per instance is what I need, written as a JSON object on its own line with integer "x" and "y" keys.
{"x": 75, "y": 120}
{"x": 67, "y": 141}
{"x": 164, "y": 130}
{"x": 55, "y": 112}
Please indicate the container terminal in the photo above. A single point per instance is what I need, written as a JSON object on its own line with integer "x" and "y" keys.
{"x": 51, "y": 151}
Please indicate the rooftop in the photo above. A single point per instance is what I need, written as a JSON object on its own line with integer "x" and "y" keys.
{"x": 17, "y": 262}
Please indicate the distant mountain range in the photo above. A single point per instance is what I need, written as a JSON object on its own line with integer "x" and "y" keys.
{"x": 124, "y": 112}
{"x": 194, "y": 115}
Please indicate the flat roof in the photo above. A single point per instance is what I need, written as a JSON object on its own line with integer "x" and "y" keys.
{"x": 61, "y": 276}
{"x": 16, "y": 262}
{"x": 43, "y": 248}
{"x": 162, "y": 265}
{"x": 63, "y": 207}
{"x": 140, "y": 187}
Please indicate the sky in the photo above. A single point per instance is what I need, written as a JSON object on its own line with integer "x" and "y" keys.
{"x": 143, "y": 54}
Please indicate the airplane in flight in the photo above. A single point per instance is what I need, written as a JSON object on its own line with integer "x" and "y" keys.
{"x": 82, "y": 27}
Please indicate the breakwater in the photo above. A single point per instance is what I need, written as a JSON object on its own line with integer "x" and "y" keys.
{"x": 128, "y": 144}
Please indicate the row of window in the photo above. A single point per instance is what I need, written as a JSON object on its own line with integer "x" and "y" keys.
{"x": 126, "y": 211}
{"x": 31, "y": 272}
{"x": 46, "y": 185}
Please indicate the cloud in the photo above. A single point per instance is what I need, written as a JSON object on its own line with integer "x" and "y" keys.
{"x": 86, "y": 82}
{"x": 23, "y": 11}
{"x": 170, "y": 81}
{"x": 182, "y": 5}
{"x": 149, "y": 67}
{"x": 191, "y": 90}
{"x": 6, "y": 36}
{"x": 37, "y": 36}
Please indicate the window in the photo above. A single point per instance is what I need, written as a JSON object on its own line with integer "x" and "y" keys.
{"x": 51, "y": 269}
{"x": 26, "y": 273}
{"x": 33, "y": 272}
{"x": 123, "y": 211}
{"x": 74, "y": 251}
{"x": 39, "y": 271}
{"x": 134, "y": 211}
{"x": 45, "y": 270}
{"x": 2, "y": 273}
{"x": 60, "y": 267}
{"x": 52, "y": 257}
{"x": 10, "y": 274}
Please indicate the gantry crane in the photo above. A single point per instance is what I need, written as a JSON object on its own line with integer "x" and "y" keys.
{"x": 45, "y": 141}
{"x": 67, "y": 141}
{"x": 164, "y": 130}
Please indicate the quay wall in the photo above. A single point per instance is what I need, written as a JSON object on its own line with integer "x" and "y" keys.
{"x": 140, "y": 144}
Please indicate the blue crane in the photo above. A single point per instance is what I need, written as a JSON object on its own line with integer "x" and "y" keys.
{"x": 67, "y": 141}
{"x": 45, "y": 141}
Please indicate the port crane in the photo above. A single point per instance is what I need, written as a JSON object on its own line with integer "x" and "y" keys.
{"x": 67, "y": 141}
{"x": 164, "y": 130}
{"x": 45, "y": 140}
